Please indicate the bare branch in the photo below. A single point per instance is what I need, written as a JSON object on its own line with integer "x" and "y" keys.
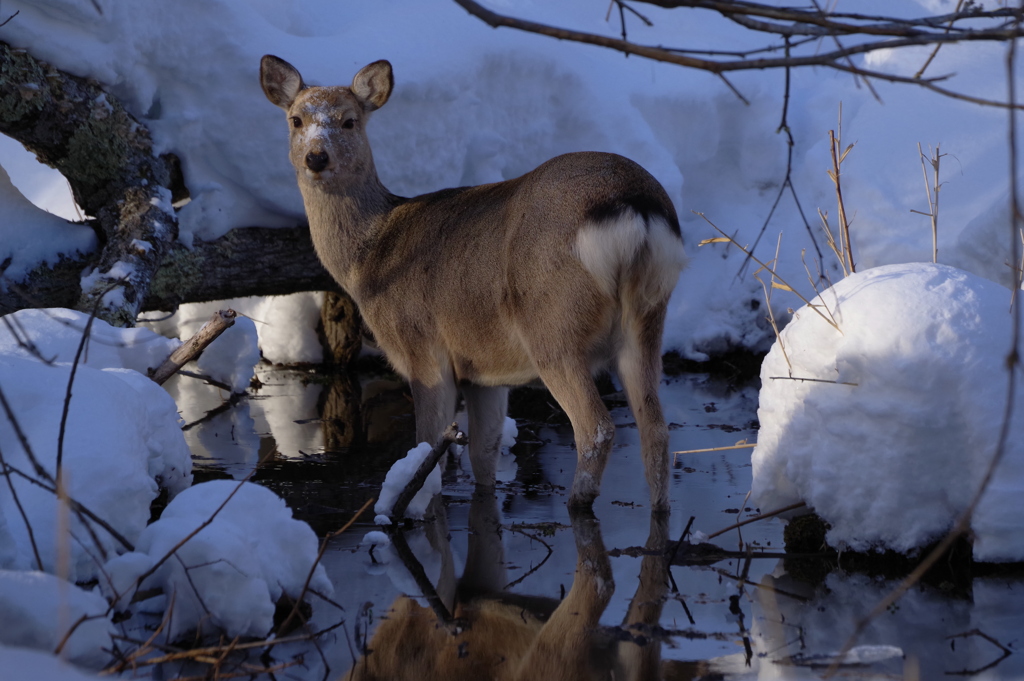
{"x": 879, "y": 33}
{"x": 211, "y": 330}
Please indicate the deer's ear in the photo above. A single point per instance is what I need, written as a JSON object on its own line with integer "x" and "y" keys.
{"x": 281, "y": 81}
{"x": 373, "y": 84}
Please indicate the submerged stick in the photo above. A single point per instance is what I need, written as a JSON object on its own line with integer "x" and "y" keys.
{"x": 188, "y": 350}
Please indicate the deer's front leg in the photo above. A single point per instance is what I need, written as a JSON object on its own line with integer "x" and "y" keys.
{"x": 486, "y": 407}
{"x": 433, "y": 401}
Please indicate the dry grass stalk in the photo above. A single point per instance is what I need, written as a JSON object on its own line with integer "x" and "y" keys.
{"x": 932, "y": 193}
{"x": 835, "y": 139}
{"x": 743, "y": 444}
{"x": 739, "y": 445}
{"x": 781, "y": 283}
{"x": 768, "y": 302}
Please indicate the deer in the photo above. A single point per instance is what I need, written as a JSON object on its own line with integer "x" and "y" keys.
{"x": 556, "y": 275}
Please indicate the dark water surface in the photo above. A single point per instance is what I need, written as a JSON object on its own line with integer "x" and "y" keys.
{"x": 499, "y": 565}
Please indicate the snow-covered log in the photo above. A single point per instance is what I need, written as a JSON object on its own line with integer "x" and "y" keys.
{"x": 106, "y": 155}
{"x": 73, "y": 125}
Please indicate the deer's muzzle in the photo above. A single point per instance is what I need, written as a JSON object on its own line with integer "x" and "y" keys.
{"x": 317, "y": 160}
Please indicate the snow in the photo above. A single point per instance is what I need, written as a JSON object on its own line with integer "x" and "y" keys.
{"x": 23, "y": 663}
{"x": 230, "y": 574}
{"x": 473, "y": 105}
{"x": 231, "y": 357}
{"x": 399, "y": 476}
{"x": 123, "y": 442}
{"x": 56, "y": 334}
{"x": 30, "y": 236}
{"x": 37, "y": 610}
{"x": 120, "y": 437}
{"x": 924, "y": 344}
{"x": 285, "y": 325}
{"x": 890, "y": 437}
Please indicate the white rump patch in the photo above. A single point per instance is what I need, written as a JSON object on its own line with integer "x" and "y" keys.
{"x": 608, "y": 249}
{"x": 666, "y": 259}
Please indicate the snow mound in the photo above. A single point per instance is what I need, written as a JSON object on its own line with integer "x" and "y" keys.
{"x": 890, "y": 440}
{"x": 22, "y": 663}
{"x": 231, "y": 358}
{"x": 285, "y": 325}
{"x": 121, "y": 438}
{"x": 57, "y": 332}
{"x": 37, "y": 610}
{"x": 231, "y": 573}
{"x": 398, "y": 477}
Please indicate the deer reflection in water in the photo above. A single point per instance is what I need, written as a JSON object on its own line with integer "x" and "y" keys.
{"x": 495, "y": 634}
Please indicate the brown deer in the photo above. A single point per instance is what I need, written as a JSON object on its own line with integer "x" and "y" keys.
{"x": 550, "y": 275}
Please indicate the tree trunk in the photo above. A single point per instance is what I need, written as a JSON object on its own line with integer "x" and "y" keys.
{"x": 71, "y": 124}
{"x": 106, "y": 155}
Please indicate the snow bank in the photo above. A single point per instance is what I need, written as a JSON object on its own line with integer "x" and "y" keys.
{"x": 228, "y": 576}
{"x": 22, "y": 663}
{"x": 891, "y": 446}
{"x": 56, "y": 333}
{"x": 474, "y": 105}
{"x": 37, "y": 610}
{"x": 121, "y": 438}
{"x": 32, "y": 236}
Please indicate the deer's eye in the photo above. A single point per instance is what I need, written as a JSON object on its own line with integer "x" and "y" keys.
{"x": 349, "y": 123}
{"x": 296, "y": 122}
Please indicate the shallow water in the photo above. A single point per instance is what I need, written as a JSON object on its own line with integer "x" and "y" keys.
{"x": 736, "y": 618}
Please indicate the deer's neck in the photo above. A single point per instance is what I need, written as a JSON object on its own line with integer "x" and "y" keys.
{"x": 342, "y": 221}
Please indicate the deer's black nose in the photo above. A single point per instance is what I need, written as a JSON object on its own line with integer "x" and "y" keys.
{"x": 317, "y": 160}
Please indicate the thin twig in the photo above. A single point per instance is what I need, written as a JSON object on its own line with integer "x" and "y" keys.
{"x": 761, "y": 516}
{"x": 174, "y": 549}
{"x": 21, "y": 511}
{"x": 745, "y": 445}
{"x": 894, "y": 33}
{"x": 536, "y": 567}
{"x": 949, "y": 27}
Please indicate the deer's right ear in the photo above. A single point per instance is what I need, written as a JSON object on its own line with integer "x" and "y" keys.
{"x": 280, "y": 80}
{"x": 373, "y": 84}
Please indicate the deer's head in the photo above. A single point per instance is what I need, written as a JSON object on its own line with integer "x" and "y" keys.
{"x": 328, "y": 144}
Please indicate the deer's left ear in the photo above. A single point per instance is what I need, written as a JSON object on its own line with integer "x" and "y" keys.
{"x": 373, "y": 85}
{"x": 281, "y": 81}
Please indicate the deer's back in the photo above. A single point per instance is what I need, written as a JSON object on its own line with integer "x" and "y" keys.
{"x": 493, "y": 262}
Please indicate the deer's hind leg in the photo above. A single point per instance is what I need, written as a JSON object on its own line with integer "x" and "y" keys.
{"x": 573, "y": 387}
{"x": 639, "y": 369}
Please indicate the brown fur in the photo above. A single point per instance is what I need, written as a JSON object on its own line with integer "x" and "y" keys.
{"x": 550, "y": 275}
